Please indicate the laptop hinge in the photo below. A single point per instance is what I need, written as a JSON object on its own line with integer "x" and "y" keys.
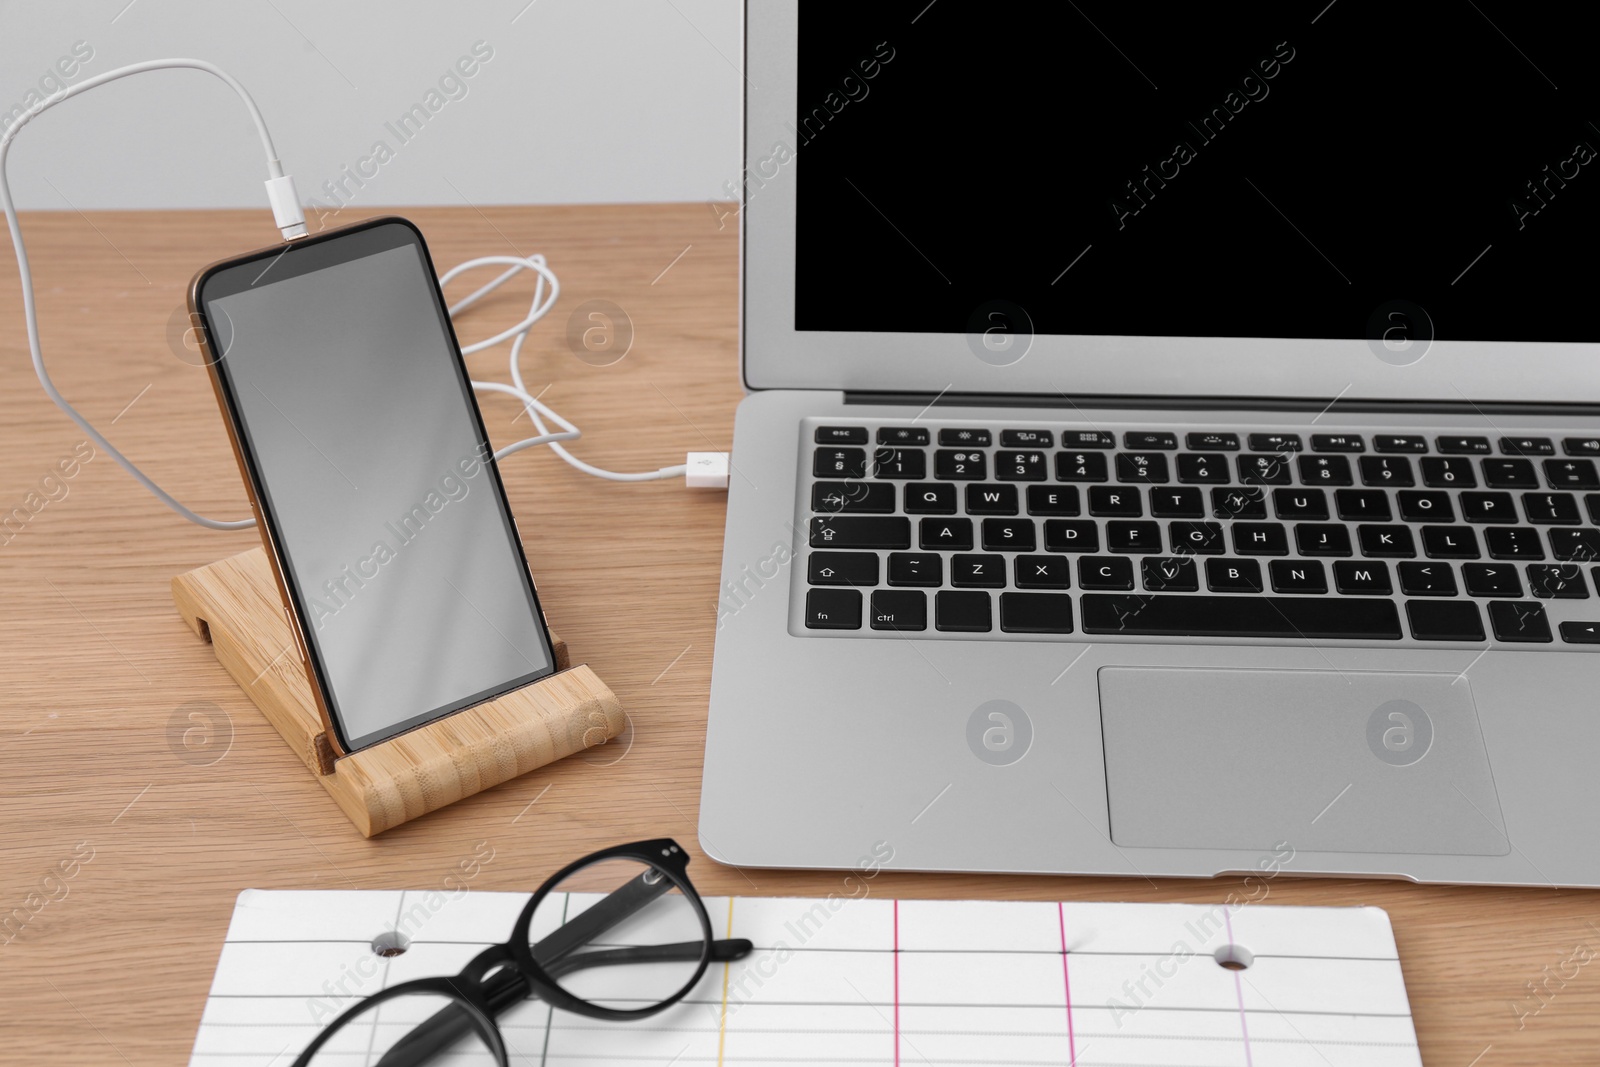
{"x": 1088, "y": 401}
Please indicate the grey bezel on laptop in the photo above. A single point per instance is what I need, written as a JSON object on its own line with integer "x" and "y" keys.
{"x": 776, "y": 356}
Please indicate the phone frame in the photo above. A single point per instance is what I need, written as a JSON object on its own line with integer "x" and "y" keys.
{"x": 266, "y": 520}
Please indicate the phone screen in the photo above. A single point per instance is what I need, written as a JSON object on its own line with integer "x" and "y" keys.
{"x": 353, "y": 410}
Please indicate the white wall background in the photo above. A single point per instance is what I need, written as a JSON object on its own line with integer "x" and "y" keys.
{"x": 584, "y": 101}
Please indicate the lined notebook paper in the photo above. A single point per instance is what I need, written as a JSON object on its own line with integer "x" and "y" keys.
{"x": 866, "y": 981}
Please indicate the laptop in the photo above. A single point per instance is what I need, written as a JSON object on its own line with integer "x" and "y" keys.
{"x": 1170, "y": 445}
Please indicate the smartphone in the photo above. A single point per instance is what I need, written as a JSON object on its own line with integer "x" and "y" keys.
{"x": 371, "y": 478}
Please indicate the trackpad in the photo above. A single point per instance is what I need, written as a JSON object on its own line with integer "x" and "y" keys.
{"x": 1328, "y": 761}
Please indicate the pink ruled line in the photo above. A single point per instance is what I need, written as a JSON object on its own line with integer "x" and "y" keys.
{"x": 1238, "y": 989}
{"x": 897, "y": 984}
{"x": 1066, "y": 980}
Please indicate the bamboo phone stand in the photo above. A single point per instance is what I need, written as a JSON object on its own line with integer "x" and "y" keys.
{"x": 235, "y": 605}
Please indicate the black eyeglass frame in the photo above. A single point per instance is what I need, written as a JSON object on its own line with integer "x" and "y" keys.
{"x": 508, "y": 973}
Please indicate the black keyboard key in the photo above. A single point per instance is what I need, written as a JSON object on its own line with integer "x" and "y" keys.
{"x": 900, "y": 463}
{"x": 1088, "y": 439}
{"x": 954, "y": 465}
{"x": 1581, "y": 633}
{"x": 1392, "y": 471}
{"x": 1527, "y": 446}
{"x": 1027, "y": 438}
{"x": 1177, "y": 504}
{"x": 1275, "y": 442}
{"x": 1519, "y": 621}
{"x": 1557, "y": 581}
{"x": 1142, "y": 468}
{"x": 1263, "y": 470}
{"x": 1115, "y": 501}
{"x": 1009, "y": 535}
{"x": 1362, "y": 578}
{"x": 1464, "y": 446}
{"x": 1212, "y": 442}
{"x": 842, "y": 568}
{"x": 978, "y": 572}
{"x": 1509, "y": 474}
{"x": 1399, "y": 442}
{"x": 1260, "y": 539}
{"x": 1238, "y": 504}
{"x": 1052, "y": 500}
{"x": 1170, "y": 574}
{"x": 1389, "y": 541}
{"x": 991, "y": 500}
{"x": 1444, "y": 620}
{"x": 1233, "y": 575}
{"x": 1165, "y": 442}
{"x": 1362, "y": 505}
{"x": 1488, "y": 507}
{"x": 1449, "y": 542}
{"x": 833, "y": 609}
{"x": 1491, "y": 579}
{"x": 1551, "y": 509}
{"x": 1298, "y": 576}
{"x": 1133, "y": 537}
{"x": 1571, "y": 474}
{"x": 908, "y": 436}
{"x": 1036, "y": 613}
{"x": 1300, "y": 504}
{"x": 1422, "y": 505}
{"x": 963, "y": 612}
{"x": 1105, "y": 572}
{"x": 840, "y": 435}
{"x": 1322, "y": 539}
{"x": 861, "y": 531}
{"x": 1427, "y": 579}
{"x": 952, "y": 534}
{"x": 1337, "y": 442}
{"x": 1593, "y": 502}
{"x": 839, "y": 463}
{"x": 1042, "y": 572}
{"x": 1203, "y": 468}
{"x": 930, "y": 498}
{"x": 1189, "y": 615}
{"x": 1581, "y": 446}
{"x": 1020, "y": 466}
{"x": 1071, "y": 535}
{"x": 1080, "y": 467}
{"x": 1513, "y": 542}
{"x": 899, "y": 609}
{"x": 1325, "y": 470}
{"x": 916, "y": 568}
{"x": 831, "y": 498}
{"x": 965, "y": 437}
{"x": 1448, "y": 472}
{"x": 1200, "y": 538}
{"x": 1582, "y": 545}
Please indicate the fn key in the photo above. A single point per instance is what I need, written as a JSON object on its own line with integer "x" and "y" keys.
{"x": 833, "y": 609}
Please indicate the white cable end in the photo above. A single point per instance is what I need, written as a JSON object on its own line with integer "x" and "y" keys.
{"x": 286, "y": 210}
{"x": 706, "y": 470}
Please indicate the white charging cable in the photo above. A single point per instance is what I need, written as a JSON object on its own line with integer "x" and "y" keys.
{"x": 290, "y": 219}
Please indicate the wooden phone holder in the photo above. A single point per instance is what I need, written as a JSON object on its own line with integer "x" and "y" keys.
{"x": 234, "y": 604}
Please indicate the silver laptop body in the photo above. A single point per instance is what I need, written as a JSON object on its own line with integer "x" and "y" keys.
{"x": 997, "y": 598}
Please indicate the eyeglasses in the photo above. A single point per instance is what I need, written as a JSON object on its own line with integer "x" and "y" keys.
{"x": 620, "y": 934}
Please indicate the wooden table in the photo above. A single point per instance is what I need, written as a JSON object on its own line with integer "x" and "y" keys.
{"x": 101, "y": 679}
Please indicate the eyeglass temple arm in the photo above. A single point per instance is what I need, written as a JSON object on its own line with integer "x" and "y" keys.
{"x": 616, "y": 906}
{"x": 448, "y": 1025}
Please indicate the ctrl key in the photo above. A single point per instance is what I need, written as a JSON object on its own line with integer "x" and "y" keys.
{"x": 899, "y": 609}
{"x": 833, "y": 609}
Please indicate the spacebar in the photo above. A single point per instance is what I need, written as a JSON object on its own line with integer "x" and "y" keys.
{"x": 1240, "y": 616}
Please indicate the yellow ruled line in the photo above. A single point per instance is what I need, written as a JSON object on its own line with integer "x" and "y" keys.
{"x": 722, "y": 1027}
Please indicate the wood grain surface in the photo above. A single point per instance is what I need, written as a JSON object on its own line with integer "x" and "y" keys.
{"x": 125, "y": 740}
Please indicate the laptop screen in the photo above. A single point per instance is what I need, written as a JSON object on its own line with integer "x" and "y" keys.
{"x": 1321, "y": 170}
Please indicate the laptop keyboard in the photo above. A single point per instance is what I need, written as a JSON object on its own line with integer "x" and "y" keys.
{"x": 1039, "y": 531}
